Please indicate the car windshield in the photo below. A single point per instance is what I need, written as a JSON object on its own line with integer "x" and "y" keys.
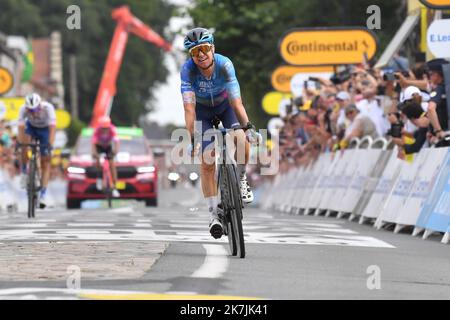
{"x": 134, "y": 146}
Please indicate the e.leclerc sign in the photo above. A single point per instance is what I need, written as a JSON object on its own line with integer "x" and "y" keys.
{"x": 327, "y": 46}
{"x": 438, "y": 38}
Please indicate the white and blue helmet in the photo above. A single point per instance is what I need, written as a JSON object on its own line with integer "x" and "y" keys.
{"x": 33, "y": 101}
{"x": 197, "y": 36}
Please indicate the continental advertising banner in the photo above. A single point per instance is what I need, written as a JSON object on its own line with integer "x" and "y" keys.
{"x": 327, "y": 46}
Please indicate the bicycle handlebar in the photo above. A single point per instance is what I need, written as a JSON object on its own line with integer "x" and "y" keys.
{"x": 225, "y": 131}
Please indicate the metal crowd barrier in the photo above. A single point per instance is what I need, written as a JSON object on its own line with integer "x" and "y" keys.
{"x": 368, "y": 183}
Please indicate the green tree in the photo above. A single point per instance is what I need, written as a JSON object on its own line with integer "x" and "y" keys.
{"x": 142, "y": 66}
{"x": 248, "y": 31}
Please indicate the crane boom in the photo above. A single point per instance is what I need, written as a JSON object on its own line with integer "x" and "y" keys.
{"x": 126, "y": 23}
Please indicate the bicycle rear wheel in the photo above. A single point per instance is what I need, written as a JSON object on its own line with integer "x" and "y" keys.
{"x": 236, "y": 210}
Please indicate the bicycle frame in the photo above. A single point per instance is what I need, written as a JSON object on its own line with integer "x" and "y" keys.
{"x": 106, "y": 171}
{"x": 231, "y": 201}
{"x": 223, "y": 157}
{"x": 34, "y": 181}
{"x": 107, "y": 179}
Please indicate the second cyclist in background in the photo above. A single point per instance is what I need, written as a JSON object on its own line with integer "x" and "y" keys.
{"x": 105, "y": 140}
{"x": 37, "y": 119}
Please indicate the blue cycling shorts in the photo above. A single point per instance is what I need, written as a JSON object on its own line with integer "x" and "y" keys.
{"x": 224, "y": 112}
{"x": 40, "y": 134}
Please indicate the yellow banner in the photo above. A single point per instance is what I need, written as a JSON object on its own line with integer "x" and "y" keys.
{"x": 281, "y": 77}
{"x": 271, "y": 102}
{"x": 12, "y": 107}
{"x": 62, "y": 119}
{"x": 436, "y": 4}
{"x": 330, "y": 46}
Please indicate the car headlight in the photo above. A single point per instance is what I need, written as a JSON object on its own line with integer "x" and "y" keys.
{"x": 193, "y": 176}
{"x": 76, "y": 170}
{"x": 173, "y": 176}
{"x": 148, "y": 169}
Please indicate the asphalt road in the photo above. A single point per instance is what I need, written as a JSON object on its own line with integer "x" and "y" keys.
{"x": 133, "y": 252}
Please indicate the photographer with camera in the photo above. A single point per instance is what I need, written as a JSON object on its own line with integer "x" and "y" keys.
{"x": 416, "y": 77}
{"x": 409, "y": 123}
{"x": 437, "y": 108}
{"x": 415, "y": 113}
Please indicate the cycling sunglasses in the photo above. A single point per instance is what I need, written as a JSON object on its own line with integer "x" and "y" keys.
{"x": 195, "y": 51}
{"x": 37, "y": 109}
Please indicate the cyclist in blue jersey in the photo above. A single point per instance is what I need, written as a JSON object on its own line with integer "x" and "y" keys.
{"x": 210, "y": 89}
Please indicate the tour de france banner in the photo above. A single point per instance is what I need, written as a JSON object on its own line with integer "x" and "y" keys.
{"x": 328, "y": 46}
{"x": 435, "y": 214}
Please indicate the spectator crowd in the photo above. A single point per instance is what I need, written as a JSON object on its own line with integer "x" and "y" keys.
{"x": 9, "y": 156}
{"x": 405, "y": 104}
{"x": 8, "y": 161}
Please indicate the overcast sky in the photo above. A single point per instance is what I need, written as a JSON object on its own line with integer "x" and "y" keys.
{"x": 168, "y": 102}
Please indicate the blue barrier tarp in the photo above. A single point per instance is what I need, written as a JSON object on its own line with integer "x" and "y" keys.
{"x": 435, "y": 214}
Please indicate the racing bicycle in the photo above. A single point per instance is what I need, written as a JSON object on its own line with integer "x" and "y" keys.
{"x": 107, "y": 180}
{"x": 34, "y": 175}
{"x": 230, "y": 200}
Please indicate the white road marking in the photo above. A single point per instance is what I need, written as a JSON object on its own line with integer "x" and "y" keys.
{"x": 187, "y": 221}
{"x": 25, "y": 225}
{"x": 297, "y": 238}
{"x": 143, "y": 225}
{"x": 81, "y": 224}
{"x": 183, "y": 293}
{"x": 346, "y": 231}
{"x": 122, "y": 210}
{"x": 216, "y": 262}
{"x": 188, "y": 225}
{"x": 181, "y": 227}
{"x": 29, "y": 297}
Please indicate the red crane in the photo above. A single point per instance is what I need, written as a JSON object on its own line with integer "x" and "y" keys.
{"x": 126, "y": 23}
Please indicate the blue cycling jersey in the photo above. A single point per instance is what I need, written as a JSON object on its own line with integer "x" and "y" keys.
{"x": 211, "y": 92}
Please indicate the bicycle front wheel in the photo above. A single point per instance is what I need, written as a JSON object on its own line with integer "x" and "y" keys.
{"x": 31, "y": 190}
{"x": 226, "y": 202}
{"x": 236, "y": 210}
{"x": 109, "y": 193}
